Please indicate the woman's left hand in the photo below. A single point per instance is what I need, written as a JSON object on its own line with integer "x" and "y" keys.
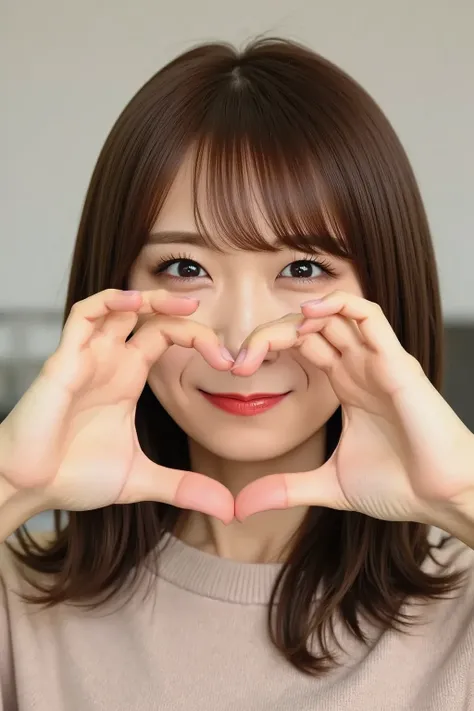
{"x": 403, "y": 455}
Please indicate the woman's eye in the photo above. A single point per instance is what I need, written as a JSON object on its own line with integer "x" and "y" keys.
{"x": 302, "y": 269}
{"x": 182, "y": 269}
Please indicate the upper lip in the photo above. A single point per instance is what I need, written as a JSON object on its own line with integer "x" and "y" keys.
{"x": 246, "y": 398}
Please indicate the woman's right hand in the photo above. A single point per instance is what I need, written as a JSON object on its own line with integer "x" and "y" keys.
{"x": 70, "y": 443}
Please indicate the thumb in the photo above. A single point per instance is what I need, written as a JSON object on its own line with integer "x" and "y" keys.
{"x": 319, "y": 487}
{"x": 149, "y": 481}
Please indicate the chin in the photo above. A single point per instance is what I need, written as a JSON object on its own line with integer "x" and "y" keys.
{"x": 239, "y": 444}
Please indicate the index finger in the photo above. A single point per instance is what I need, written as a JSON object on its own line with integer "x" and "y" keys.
{"x": 88, "y": 314}
{"x": 274, "y": 336}
{"x": 368, "y": 315}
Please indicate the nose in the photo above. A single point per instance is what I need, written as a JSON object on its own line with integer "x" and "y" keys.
{"x": 241, "y": 314}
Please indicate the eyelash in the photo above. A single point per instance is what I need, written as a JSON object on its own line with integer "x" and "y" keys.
{"x": 167, "y": 260}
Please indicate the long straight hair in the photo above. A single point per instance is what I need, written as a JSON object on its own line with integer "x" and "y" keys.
{"x": 334, "y": 178}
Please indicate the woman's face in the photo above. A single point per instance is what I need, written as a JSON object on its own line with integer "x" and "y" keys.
{"x": 238, "y": 291}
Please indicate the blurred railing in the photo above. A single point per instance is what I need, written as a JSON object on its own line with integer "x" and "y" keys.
{"x": 27, "y": 339}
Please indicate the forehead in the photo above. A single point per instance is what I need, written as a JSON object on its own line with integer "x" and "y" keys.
{"x": 190, "y": 190}
{"x": 235, "y": 202}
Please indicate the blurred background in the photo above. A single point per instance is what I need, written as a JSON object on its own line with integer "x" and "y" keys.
{"x": 68, "y": 69}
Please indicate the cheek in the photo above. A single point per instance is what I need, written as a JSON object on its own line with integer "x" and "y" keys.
{"x": 350, "y": 283}
{"x": 166, "y": 375}
{"x": 321, "y": 400}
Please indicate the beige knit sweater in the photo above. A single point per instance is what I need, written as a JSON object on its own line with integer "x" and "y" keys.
{"x": 200, "y": 644}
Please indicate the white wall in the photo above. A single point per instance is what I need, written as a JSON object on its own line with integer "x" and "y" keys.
{"x": 68, "y": 68}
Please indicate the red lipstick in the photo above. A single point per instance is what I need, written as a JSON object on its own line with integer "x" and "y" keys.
{"x": 244, "y": 405}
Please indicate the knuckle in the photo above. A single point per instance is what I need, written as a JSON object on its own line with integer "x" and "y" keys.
{"x": 265, "y": 330}
{"x": 257, "y": 331}
{"x": 156, "y": 297}
{"x": 206, "y": 333}
{"x": 76, "y": 308}
{"x": 187, "y": 324}
{"x": 183, "y": 325}
{"x": 414, "y": 364}
{"x": 375, "y": 307}
{"x": 161, "y": 321}
{"x": 102, "y": 295}
{"x": 337, "y": 296}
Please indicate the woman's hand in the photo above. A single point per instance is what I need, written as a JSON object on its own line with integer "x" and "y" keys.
{"x": 403, "y": 455}
{"x": 70, "y": 443}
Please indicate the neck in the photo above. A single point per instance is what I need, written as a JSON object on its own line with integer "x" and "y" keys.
{"x": 264, "y": 537}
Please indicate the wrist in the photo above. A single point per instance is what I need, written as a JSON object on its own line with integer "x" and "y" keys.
{"x": 456, "y": 515}
{"x": 457, "y": 518}
{"x": 16, "y": 507}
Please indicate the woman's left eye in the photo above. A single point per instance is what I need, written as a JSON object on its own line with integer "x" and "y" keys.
{"x": 302, "y": 269}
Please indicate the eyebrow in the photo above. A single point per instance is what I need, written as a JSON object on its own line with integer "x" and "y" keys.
{"x": 196, "y": 239}
{"x": 176, "y": 237}
{"x": 179, "y": 237}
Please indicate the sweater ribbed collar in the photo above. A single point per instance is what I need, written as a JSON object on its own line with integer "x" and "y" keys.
{"x": 211, "y": 576}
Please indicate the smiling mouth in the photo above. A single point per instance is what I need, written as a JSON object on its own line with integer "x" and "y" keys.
{"x": 244, "y": 405}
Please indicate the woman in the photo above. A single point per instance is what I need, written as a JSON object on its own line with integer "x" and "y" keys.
{"x": 242, "y": 418}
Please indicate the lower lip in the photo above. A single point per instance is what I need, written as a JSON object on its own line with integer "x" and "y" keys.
{"x": 244, "y": 408}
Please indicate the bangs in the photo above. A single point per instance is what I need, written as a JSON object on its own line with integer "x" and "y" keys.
{"x": 264, "y": 172}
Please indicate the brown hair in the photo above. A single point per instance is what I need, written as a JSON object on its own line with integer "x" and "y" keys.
{"x": 335, "y": 178}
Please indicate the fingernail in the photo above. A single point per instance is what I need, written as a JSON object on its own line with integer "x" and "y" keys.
{"x": 311, "y": 302}
{"x": 241, "y": 357}
{"x": 226, "y": 354}
{"x": 131, "y": 292}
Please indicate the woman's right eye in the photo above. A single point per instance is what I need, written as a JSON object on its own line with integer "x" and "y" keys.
{"x": 181, "y": 269}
